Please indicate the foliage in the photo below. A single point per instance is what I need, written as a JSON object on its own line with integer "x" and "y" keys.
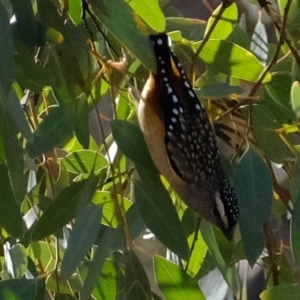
{"x": 71, "y": 208}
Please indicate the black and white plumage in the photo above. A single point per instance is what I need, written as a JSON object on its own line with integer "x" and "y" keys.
{"x": 182, "y": 142}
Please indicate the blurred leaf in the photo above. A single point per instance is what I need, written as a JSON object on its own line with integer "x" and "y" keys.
{"x": 107, "y": 285}
{"x": 259, "y": 44}
{"x": 63, "y": 209}
{"x": 191, "y": 29}
{"x": 42, "y": 251}
{"x": 10, "y": 215}
{"x": 295, "y": 224}
{"x": 82, "y": 130}
{"x": 174, "y": 282}
{"x": 127, "y": 27}
{"x": 72, "y": 56}
{"x": 265, "y": 123}
{"x": 226, "y": 23}
{"x": 136, "y": 281}
{"x": 109, "y": 210}
{"x": 84, "y": 234}
{"x": 158, "y": 212}
{"x": 75, "y": 11}
{"x": 16, "y": 261}
{"x": 14, "y": 158}
{"x": 218, "y": 90}
{"x": 104, "y": 248}
{"x": 282, "y": 291}
{"x": 150, "y": 12}
{"x": 29, "y": 289}
{"x": 295, "y": 97}
{"x": 198, "y": 254}
{"x": 55, "y": 129}
{"x": 131, "y": 142}
{"x": 29, "y": 74}
{"x": 254, "y": 189}
{"x": 6, "y": 52}
{"x": 26, "y": 26}
{"x": 232, "y": 60}
{"x": 279, "y": 90}
{"x": 84, "y": 161}
{"x": 229, "y": 272}
{"x": 11, "y": 105}
{"x": 295, "y": 227}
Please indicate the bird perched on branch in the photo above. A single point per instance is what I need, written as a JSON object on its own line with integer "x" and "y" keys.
{"x": 182, "y": 142}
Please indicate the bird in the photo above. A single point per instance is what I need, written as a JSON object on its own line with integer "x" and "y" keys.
{"x": 182, "y": 142}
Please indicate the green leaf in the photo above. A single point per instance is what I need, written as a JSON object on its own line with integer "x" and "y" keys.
{"x": 14, "y": 158}
{"x": 218, "y": 90}
{"x": 265, "y": 123}
{"x": 6, "y": 51}
{"x": 16, "y": 261}
{"x": 254, "y": 189}
{"x": 26, "y": 26}
{"x": 150, "y": 12}
{"x": 174, "y": 283}
{"x": 82, "y": 130}
{"x": 107, "y": 285}
{"x": 29, "y": 289}
{"x": 229, "y": 272}
{"x": 84, "y": 161}
{"x": 63, "y": 209}
{"x": 295, "y": 223}
{"x": 10, "y": 215}
{"x": 84, "y": 234}
{"x": 136, "y": 281}
{"x": 158, "y": 212}
{"x": 29, "y": 74}
{"x": 75, "y": 11}
{"x": 10, "y": 103}
{"x": 191, "y": 29}
{"x": 72, "y": 56}
{"x": 295, "y": 227}
{"x": 109, "y": 208}
{"x": 279, "y": 89}
{"x": 225, "y": 25}
{"x": 232, "y": 60}
{"x": 198, "y": 254}
{"x": 55, "y": 129}
{"x": 127, "y": 27}
{"x": 295, "y": 97}
{"x": 96, "y": 265}
{"x": 282, "y": 291}
{"x": 131, "y": 142}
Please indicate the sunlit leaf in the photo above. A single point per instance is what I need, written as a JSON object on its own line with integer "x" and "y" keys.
{"x": 174, "y": 282}
{"x": 150, "y": 12}
{"x": 282, "y": 291}
{"x": 225, "y": 24}
{"x": 233, "y": 60}
{"x": 107, "y": 199}
{"x": 127, "y": 27}
{"x": 84, "y": 161}
{"x": 295, "y": 97}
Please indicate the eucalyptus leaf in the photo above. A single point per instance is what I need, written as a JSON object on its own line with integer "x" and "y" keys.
{"x": 254, "y": 189}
